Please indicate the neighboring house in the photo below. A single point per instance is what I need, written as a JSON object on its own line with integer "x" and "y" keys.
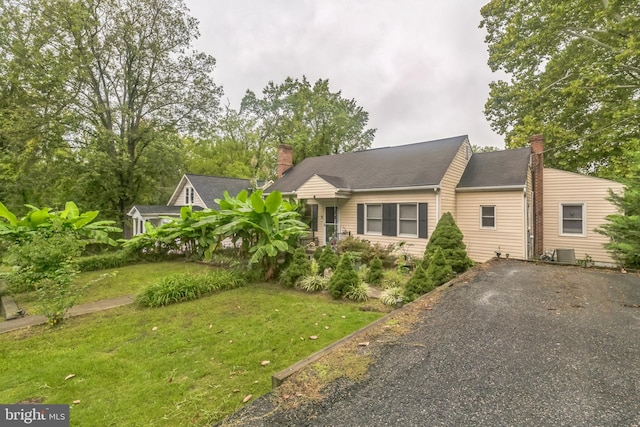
{"x": 503, "y": 201}
{"x": 198, "y": 191}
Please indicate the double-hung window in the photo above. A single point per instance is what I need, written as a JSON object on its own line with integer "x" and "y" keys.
{"x": 393, "y": 219}
{"x": 572, "y": 219}
{"x": 189, "y": 195}
{"x": 408, "y": 219}
{"x": 488, "y": 217}
{"x": 374, "y": 219}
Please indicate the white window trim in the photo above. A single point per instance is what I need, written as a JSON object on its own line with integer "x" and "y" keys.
{"x": 495, "y": 217}
{"x": 417, "y": 220}
{"x": 561, "y": 218}
{"x": 366, "y": 219}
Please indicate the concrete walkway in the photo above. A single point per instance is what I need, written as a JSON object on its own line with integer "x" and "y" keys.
{"x": 78, "y": 310}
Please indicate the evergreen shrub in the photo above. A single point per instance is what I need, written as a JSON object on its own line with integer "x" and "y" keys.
{"x": 374, "y": 275}
{"x": 343, "y": 278}
{"x": 449, "y": 238}
{"x": 298, "y": 268}
{"x": 419, "y": 284}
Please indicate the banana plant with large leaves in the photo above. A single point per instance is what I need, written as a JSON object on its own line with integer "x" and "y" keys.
{"x": 46, "y": 220}
{"x": 265, "y": 227}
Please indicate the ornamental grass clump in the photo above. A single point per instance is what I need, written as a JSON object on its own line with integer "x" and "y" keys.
{"x": 343, "y": 278}
{"x": 391, "y": 296}
{"x": 186, "y": 287}
{"x": 358, "y": 293}
{"x": 315, "y": 281}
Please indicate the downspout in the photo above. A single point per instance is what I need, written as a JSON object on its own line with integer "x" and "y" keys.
{"x": 437, "y": 191}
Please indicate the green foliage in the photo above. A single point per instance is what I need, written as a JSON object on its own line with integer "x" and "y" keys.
{"x": 315, "y": 267}
{"x": 314, "y": 120}
{"x": 297, "y": 269}
{"x": 419, "y": 284}
{"x": 328, "y": 259}
{"x": 391, "y": 296}
{"x": 367, "y": 251}
{"x": 263, "y": 229}
{"x": 343, "y": 278}
{"x": 375, "y": 271}
{"x": 318, "y": 253}
{"x": 43, "y": 258}
{"x": 44, "y": 264}
{"x": 363, "y": 271}
{"x": 572, "y": 75}
{"x": 102, "y": 91}
{"x": 586, "y": 262}
{"x": 393, "y": 278}
{"x": 358, "y": 292}
{"x": 313, "y": 283}
{"x": 439, "y": 270}
{"x": 448, "y": 237}
{"x": 186, "y": 287}
{"x": 45, "y": 220}
{"x": 623, "y": 228}
{"x": 105, "y": 261}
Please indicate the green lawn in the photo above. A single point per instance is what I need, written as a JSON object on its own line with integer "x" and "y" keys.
{"x": 197, "y": 367}
{"x": 115, "y": 282}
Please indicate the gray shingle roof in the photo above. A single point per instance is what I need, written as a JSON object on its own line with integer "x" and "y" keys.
{"x": 412, "y": 165}
{"x": 162, "y": 210}
{"x": 213, "y": 187}
{"x": 496, "y": 169}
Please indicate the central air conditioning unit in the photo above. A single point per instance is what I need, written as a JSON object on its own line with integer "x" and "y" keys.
{"x": 566, "y": 256}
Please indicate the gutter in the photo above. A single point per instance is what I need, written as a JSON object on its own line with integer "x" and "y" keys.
{"x": 494, "y": 188}
{"x": 416, "y": 187}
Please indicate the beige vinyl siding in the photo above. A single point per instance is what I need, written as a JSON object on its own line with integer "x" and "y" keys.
{"x": 561, "y": 187}
{"x": 179, "y": 199}
{"x": 349, "y": 220}
{"x": 316, "y": 186}
{"x": 509, "y": 234}
{"x": 452, "y": 177}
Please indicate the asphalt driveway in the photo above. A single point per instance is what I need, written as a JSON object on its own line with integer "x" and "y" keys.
{"x": 512, "y": 344}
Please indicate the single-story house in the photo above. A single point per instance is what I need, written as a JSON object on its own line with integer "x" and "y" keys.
{"x": 504, "y": 202}
{"x": 198, "y": 191}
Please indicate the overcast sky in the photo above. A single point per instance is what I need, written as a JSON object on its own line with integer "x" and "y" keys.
{"x": 419, "y": 67}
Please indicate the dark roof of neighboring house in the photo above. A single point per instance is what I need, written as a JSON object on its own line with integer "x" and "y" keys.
{"x": 213, "y": 187}
{"x": 160, "y": 209}
{"x": 496, "y": 169}
{"x": 412, "y": 165}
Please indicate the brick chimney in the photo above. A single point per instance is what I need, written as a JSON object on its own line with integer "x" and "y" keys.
{"x": 537, "y": 166}
{"x": 285, "y": 158}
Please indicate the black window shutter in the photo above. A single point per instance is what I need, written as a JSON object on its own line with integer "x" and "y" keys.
{"x": 314, "y": 217}
{"x": 389, "y": 219}
{"x": 422, "y": 220}
{"x": 360, "y": 215}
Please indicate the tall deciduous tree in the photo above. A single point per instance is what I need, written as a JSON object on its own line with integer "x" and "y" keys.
{"x": 575, "y": 76}
{"x": 311, "y": 118}
{"x": 32, "y": 116}
{"x": 126, "y": 79}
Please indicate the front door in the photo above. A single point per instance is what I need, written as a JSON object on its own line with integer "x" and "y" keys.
{"x": 330, "y": 223}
